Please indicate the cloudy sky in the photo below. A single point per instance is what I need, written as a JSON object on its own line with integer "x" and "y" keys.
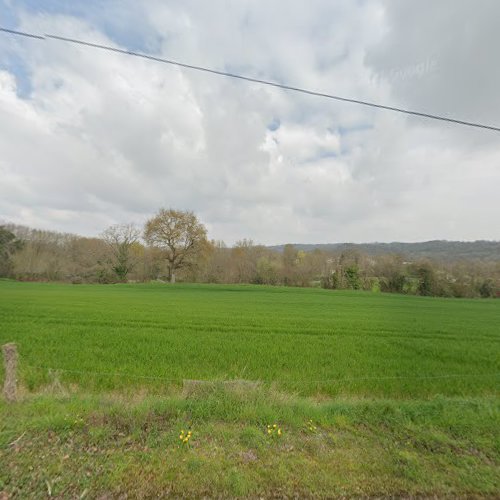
{"x": 90, "y": 138}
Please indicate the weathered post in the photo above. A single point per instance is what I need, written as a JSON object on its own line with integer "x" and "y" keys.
{"x": 10, "y": 365}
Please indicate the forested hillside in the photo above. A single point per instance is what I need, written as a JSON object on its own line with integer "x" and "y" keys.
{"x": 437, "y": 249}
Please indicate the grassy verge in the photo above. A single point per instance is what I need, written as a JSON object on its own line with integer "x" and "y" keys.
{"x": 94, "y": 446}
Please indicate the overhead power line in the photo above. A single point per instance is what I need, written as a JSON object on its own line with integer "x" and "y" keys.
{"x": 22, "y": 33}
{"x": 251, "y": 79}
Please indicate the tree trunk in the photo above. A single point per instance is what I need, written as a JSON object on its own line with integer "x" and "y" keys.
{"x": 172, "y": 277}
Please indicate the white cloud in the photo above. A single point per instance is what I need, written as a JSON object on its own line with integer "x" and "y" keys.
{"x": 105, "y": 138}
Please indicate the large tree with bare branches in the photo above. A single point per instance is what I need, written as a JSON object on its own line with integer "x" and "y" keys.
{"x": 179, "y": 234}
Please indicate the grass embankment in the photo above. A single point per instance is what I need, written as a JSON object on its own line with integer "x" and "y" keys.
{"x": 374, "y": 394}
{"x": 95, "y": 446}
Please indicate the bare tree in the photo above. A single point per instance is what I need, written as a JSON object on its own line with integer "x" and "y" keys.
{"x": 121, "y": 239}
{"x": 180, "y": 234}
{"x": 43, "y": 255}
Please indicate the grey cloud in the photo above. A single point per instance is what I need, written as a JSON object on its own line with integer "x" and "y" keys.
{"x": 440, "y": 57}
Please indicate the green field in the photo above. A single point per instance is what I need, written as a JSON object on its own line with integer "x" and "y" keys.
{"x": 308, "y": 341}
{"x": 402, "y": 392}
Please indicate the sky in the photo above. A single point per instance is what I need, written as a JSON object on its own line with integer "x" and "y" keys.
{"x": 90, "y": 138}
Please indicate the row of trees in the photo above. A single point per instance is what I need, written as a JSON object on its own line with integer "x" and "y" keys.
{"x": 175, "y": 240}
{"x": 173, "y": 245}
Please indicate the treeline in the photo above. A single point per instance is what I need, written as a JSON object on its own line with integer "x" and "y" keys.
{"x": 436, "y": 249}
{"x": 126, "y": 253}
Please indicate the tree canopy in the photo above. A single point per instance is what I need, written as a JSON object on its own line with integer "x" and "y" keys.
{"x": 120, "y": 239}
{"x": 8, "y": 245}
{"x": 179, "y": 234}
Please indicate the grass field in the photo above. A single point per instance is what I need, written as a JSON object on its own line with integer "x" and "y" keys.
{"x": 308, "y": 341}
{"x": 402, "y": 392}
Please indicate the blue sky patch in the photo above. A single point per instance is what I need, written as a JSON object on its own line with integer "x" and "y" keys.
{"x": 274, "y": 125}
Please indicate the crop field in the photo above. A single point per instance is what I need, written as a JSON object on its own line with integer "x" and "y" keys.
{"x": 308, "y": 341}
{"x": 375, "y": 394}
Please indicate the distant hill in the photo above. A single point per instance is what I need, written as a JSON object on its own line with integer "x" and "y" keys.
{"x": 438, "y": 249}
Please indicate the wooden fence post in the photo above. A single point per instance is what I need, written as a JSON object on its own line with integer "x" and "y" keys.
{"x": 10, "y": 364}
